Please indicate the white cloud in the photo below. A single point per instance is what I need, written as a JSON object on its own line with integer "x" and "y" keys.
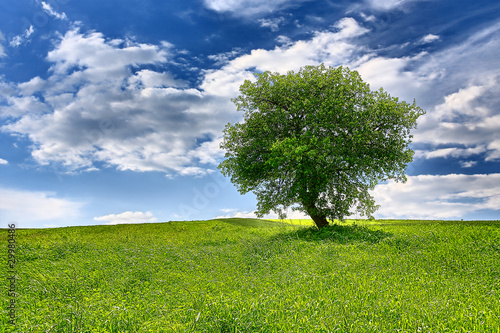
{"x": 368, "y": 18}
{"x": 392, "y": 75}
{"x": 2, "y": 161}
{"x": 467, "y": 117}
{"x": 128, "y": 217}
{"x": 98, "y": 59}
{"x": 450, "y": 152}
{"x": 250, "y": 8}
{"x": 22, "y": 38}
{"x": 29, "y": 31}
{"x": 467, "y": 164}
{"x": 34, "y": 85}
{"x": 152, "y": 122}
{"x": 331, "y": 47}
{"x": 20, "y": 106}
{"x": 284, "y": 40}
{"x": 235, "y": 213}
{"x": 150, "y": 79}
{"x": 30, "y": 207}
{"x": 348, "y": 28}
{"x": 459, "y": 89}
{"x": 16, "y": 41}
{"x": 494, "y": 147}
{"x": 208, "y": 152}
{"x": 223, "y": 58}
{"x": 402, "y": 77}
{"x": 460, "y": 103}
{"x": 49, "y": 10}
{"x": 99, "y": 106}
{"x": 454, "y": 64}
{"x": 272, "y": 24}
{"x": 430, "y": 38}
{"x": 438, "y": 197}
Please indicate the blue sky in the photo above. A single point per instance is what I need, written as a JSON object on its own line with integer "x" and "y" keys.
{"x": 112, "y": 111}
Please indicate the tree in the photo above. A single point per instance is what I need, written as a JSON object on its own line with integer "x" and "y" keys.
{"x": 318, "y": 141}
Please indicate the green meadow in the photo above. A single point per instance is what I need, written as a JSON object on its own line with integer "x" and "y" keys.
{"x": 247, "y": 275}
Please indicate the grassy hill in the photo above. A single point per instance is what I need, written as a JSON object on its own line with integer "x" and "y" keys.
{"x": 246, "y": 275}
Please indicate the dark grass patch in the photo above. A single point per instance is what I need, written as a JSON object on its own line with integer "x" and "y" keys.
{"x": 339, "y": 234}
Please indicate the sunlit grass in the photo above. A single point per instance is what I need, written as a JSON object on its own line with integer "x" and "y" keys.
{"x": 243, "y": 275}
{"x": 299, "y": 222}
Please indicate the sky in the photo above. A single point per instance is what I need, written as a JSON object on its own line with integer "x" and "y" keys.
{"x": 112, "y": 111}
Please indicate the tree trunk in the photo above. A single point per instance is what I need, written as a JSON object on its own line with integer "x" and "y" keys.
{"x": 320, "y": 221}
{"x": 309, "y": 203}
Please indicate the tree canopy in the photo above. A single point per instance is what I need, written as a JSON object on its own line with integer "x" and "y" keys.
{"x": 317, "y": 140}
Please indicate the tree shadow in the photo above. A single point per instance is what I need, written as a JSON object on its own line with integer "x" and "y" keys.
{"x": 337, "y": 234}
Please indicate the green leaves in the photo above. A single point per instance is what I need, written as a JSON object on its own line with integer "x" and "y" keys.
{"x": 318, "y": 139}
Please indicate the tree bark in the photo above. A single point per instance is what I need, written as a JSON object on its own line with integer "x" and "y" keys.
{"x": 320, "y": 221}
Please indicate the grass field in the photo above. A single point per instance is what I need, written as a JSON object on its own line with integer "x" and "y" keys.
{"x": 244, "y": 275}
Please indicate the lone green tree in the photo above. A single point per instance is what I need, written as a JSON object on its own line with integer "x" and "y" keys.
{"x": 317, "y": 141}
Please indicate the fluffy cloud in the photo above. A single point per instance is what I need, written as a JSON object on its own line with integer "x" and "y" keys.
{"x": 18, "y": 106}
{"x": 407, "y": 77}
{"x": 438, "y": 197}
{"x": 430, "y": 38}
{"x": 392, "y": 75}
{"x": 34, "y": 85}
{"x": 94, "y": 58}
{"x": 468, "y": 117}
{"x": 99, "y": 105}
{"x": 332, "y": 47}
{"x": 103, "y": 102}
{"x": 2, "y": 161}
{"x": 127, "y": 217}
{"x": 28, "y": 207}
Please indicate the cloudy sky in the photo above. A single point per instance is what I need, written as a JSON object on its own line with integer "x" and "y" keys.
{"x": 112, "y": 111}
